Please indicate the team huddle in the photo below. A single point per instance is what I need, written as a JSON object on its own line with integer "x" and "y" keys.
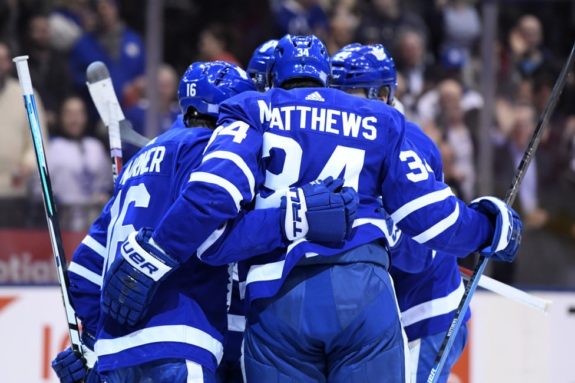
{"x": 291, "y": 226}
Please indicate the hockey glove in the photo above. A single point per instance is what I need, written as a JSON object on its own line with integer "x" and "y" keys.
{"x": 508, "y": 226}
{"x": 132, "y": 280}
{"x": 321, "y": 211}
{"x": 69, "y": 366}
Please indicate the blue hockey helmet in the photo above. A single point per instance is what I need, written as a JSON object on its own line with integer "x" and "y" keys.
{"x": 205, "y": 85}
{"x": 258, "y": 67}
{"x": 367, "y": 67}
{"x": 300, "y": 57}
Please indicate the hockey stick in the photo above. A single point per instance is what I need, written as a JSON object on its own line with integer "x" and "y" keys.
{"x": 509, "y": 292}
{"x": 49, "y": 206}
{"x": 102, "y": 93}
{"x": 130, "y": 136}
{"x": 509, "y": 198}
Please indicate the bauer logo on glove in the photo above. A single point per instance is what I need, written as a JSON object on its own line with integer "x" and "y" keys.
{"x": 148, "y": 266}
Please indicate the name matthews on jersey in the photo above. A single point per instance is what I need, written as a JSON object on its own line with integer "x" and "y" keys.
{"x": 326, "y": 120}
{"x": 146, "y": 162}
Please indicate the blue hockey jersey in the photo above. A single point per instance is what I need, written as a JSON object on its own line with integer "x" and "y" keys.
{"x": 187, "y": 318}
{"x": 271, "y": 141}
{"x": 428, "y": 284}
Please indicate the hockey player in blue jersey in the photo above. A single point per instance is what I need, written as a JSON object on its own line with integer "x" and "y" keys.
{"x": 428, "y": 285}
{"x": 229, "y": 369}
{"x": 202, "y": 87}
{"x": 258, "y": 67}
{"x": 333, "y": 317}
{"x": 180, "y": 337}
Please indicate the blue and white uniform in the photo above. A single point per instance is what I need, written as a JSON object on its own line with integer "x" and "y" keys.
{"x": 302, "y": 135}
{"x": 428, "y": 285}
{"x": 187, "y": 319}
{"x": 293, "y": 137}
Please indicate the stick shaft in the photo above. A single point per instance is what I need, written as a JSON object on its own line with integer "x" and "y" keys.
{"x": 509, "y": 198}
{"x": 49, "y": 206}
{"x": 509, "y": 292}
{"x": 115, "y": 148}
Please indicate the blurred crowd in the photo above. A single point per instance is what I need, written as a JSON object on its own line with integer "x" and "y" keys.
{"x": 436, "y": 45}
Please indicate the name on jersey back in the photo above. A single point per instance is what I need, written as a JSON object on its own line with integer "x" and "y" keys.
{"x": 325, "y": 120}
{"x": 148, "y": 161}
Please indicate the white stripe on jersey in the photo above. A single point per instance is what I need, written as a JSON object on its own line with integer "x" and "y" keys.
{"x": 85, "y": 273}
{"x": 236, "y": 323}
{"x": 221, "y": 182}
{"x": 169, "y": 333}
{"x": 419, "y": 203}
{"x": 211, "y": 240}
{"x": 238, "y": 161}
{"x": 432, "y": 308}
{"x": 439, "y": 227}
{"x": 195, "y": 372}
{"x": 267, "y": 272}
{"x": 94, "y": 245}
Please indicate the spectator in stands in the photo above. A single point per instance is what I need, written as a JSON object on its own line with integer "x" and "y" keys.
{"x": 529, "y": 56}
{"x": 17, "y": 161}
{"x": 383, "y": 21}
{"x": 457, "y": 135}
{"x": 79, "y": 167}
{"x": 69, "y": 20}
{"x": 343, "y": 22}
{"x": 510, "y": 146}
{"x": 214, "y": 43}
{"x": 120, "y": 48}
{"x": 412, "y": 64}
{"x": 300, "y": 17}
{"x": 168, "y": 110}
{"x": 450, "y": 75}
{"x": 48, "y": 67}
{"x": 461, "y": 25}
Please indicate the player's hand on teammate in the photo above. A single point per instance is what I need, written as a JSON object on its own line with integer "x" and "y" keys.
{"x": 508, "y": 226}
{"x": 133, "y": 278}
{"x": 321, "y": 211}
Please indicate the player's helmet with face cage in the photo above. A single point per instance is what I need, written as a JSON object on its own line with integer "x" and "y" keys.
{"x": 300, "y": 57}
{"x": 369, "y": 67}
{"x": 205, "y": 85}
{"x": 258, "y": 67}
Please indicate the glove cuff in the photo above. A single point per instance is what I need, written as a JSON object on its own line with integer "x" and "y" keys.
{"x": 154, "y": 267}
{"x": 499, "y": 212}
{"x": 295, "y": 224}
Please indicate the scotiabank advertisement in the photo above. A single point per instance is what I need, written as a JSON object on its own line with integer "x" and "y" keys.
{"x": 26, "y": 256}
{"x": 508, "y": 342}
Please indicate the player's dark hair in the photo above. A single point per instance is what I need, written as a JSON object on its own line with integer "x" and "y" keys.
{"x": 194, "y": 119}
{"x": 301, "y": 83}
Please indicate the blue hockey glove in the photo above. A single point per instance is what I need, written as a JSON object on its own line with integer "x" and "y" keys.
{"x": 321, "y": 211}
{"x": 132, "y": 280}
{"x": 69, "y": 367}
{"x": 508, "y": 227}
